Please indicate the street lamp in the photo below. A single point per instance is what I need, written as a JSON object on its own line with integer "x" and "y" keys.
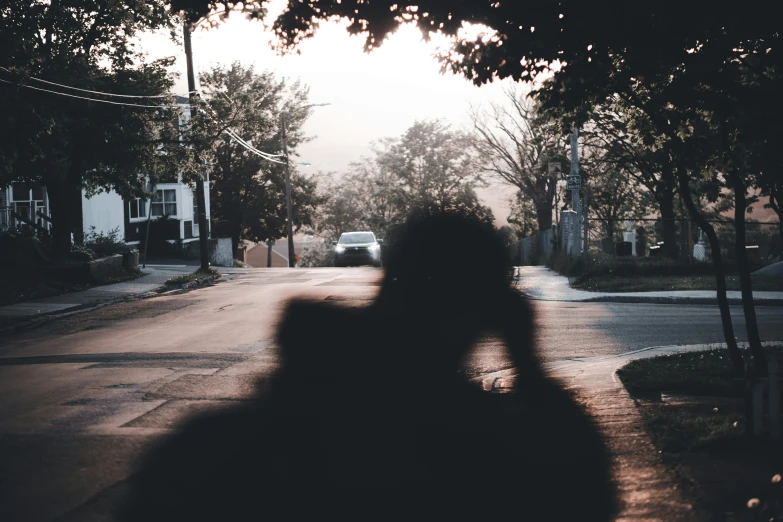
{"x": 289, "y": 218}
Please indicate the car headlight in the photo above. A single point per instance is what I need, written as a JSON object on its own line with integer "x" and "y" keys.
{"x": 339, "y": 249}
{"x": 374, "y": 246}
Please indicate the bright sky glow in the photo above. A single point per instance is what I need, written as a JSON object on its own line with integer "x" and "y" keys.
{"x": 372, "y": 95}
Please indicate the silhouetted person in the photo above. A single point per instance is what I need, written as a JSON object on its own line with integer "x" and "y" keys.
{"x": 370, "y": 417}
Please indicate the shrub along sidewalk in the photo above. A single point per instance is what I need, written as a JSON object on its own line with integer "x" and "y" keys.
{"x": 604, "y": 273}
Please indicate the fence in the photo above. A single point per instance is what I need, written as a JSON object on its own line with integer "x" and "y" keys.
{"x": 648, "y": 238}
{"x": 533, "y": 249}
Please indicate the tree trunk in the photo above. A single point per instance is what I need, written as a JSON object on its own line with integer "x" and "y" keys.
{"x": 774, "y": 203}
{"x": 544, "y": 215}
{"x": 609, "y": 228}
{"x": 720, "y": 273}
{"x": 754, "y": 339}
{"x": 668, "y": 222}
{"x": 62, "y": 192}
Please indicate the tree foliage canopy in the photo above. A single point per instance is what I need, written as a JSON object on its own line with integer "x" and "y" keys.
{"x": 249, "y": 191}
{"x": 429, "y": 168}
{"x": 69, "y": 143}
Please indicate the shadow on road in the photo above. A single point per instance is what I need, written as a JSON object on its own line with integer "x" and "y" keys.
{"x": 369, "y": 416}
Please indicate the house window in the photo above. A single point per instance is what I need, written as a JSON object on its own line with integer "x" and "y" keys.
{"x": 138, "y": 208}
{"x": 164, "y": 203}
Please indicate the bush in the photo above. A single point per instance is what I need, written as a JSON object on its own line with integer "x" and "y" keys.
{"x": 601, "y": 264}
{"x": 318, "y": 255}
{"x": 105, "y": 244}
{"x": 564, "y": 264}
{"x": 82, "y": 253}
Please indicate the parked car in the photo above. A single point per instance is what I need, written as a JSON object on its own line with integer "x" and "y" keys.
{"x": 357, "y": 248}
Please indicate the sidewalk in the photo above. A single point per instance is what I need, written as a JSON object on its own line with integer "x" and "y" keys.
{"x": 543, "y": 284}
{"x": 153, "y": 278}
{"x": 648, "y": 490}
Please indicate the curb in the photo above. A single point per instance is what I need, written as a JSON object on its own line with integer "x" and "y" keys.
{"x": 487, "y": 380}
{"x": 39, "y": 319}
{"x": 678, "y": 300}
{"x": 36, "y": 320}
{"x": 657, "y": 300}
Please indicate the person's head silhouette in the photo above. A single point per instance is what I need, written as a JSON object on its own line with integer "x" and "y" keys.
{"x": 445, "y": 273}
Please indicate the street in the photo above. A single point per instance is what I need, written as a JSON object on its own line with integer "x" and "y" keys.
{"x": 83, "y": 396}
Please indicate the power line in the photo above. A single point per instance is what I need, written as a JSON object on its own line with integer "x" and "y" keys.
{"x": 237, "y": 138}
{"x": 264, "y": 155}
{"x": 241, "y": 141}
{"x": 255, "y": 151}
{"x": 101, "y": 93}
{"x": 235, "y": 134}
{"x": 90, "y": 99}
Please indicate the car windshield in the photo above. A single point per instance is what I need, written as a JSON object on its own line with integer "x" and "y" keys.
{"x": 354, "y": 239}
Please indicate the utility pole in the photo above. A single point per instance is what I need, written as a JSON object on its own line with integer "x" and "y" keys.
{"x": 289, "y": 218}
{"x": 203, "y": 230}
{"x": 575, "y": 193}
{"x": 585, "y": 245}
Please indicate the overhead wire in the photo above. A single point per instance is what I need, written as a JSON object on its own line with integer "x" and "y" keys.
{"x": 90, "y": 99}
{"x": 101, "y": 93}
{"x": 235, "y": 137}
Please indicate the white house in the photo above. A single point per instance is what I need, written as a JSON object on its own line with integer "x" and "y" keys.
{"x": 106, "y": 212}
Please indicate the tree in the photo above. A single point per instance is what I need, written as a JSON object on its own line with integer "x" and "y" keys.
{"x": 342, "y": 209}
{"x": 71, "y": 144}
{"x": 514, "y": 146}
{"x": 613, "y": 197}
{"x": 429, "y": 168}
{"x": 771, "y": 188}
{"x": 522, "y": 218}
{"x": 249, "y": 191}
{"x": 680, "y": 64}
{"x": 434, "y": 170}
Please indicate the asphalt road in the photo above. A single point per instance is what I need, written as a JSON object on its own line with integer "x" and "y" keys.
{"x": 82, "y": 397}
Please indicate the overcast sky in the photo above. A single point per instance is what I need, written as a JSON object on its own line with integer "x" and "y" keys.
{"x": 372, "y": 95}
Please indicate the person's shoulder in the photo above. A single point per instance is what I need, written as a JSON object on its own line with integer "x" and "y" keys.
{"x": 303, "y": 317}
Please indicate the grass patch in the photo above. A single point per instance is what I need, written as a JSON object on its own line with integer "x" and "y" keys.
{"x": 681, "y": 428}
{"x": 199, "y": 276}
{"x": 697, "y": 373}
{"x": 614, "y": 283}
{"x": 701, "y": 434}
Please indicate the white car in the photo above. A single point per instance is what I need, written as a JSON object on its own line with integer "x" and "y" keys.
{"x": 357, "y": 248}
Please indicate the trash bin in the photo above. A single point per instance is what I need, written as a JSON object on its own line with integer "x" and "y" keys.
{"x": 623, "y": 248}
